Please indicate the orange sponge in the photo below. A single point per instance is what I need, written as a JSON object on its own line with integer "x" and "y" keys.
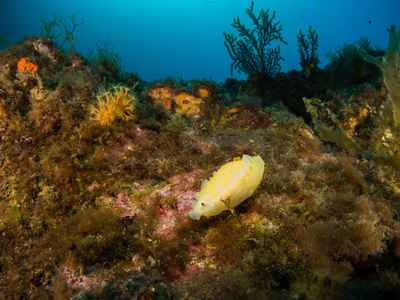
{"x": 25, "y": 65}
{"x": 187, "y": 104}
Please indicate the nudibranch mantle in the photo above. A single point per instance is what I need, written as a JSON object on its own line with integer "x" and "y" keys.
{"x": 233, "y": 183}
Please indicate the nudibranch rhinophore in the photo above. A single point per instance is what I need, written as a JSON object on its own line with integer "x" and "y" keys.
{"x": 233, "y": 183}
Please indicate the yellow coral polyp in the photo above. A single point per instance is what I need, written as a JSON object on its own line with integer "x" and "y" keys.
{"x": 112, "y": 106}
{"x": 187, "y": 104}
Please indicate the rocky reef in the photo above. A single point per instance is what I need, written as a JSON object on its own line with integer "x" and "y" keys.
{"x": 99, "y": 171}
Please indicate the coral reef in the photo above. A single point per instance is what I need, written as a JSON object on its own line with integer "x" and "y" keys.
{"x": 97, "y": 183}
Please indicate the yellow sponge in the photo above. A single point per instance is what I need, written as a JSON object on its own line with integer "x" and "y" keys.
{"x": 233, "y": 183}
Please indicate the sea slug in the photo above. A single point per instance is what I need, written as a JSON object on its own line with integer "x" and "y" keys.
{"x": 233, "y": 183}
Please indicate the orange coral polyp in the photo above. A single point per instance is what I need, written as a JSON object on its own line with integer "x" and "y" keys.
{"x": 25, "y": 65}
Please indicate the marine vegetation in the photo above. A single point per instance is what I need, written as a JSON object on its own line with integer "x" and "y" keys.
{"x": 349, "y": 68}
{"x": 59, "y": 29}
{"x": 252, "y": 54}
{"x": 307, "y": 47}
{"x": 382, "y": 146}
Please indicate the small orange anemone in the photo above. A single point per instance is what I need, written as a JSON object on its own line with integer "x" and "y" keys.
{"x": 25, "y": 65}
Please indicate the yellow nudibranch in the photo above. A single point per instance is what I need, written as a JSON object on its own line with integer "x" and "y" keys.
{"x": 233, "y": 183}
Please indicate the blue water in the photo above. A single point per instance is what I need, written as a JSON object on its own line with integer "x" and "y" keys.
{"x": 159, "y": 38}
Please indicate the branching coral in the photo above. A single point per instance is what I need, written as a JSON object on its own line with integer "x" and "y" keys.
{"x": 112, "y": 106}
{"x": 251, "y": 54}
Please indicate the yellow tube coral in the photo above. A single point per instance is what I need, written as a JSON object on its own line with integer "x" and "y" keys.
{"x": 233, "y": 183}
